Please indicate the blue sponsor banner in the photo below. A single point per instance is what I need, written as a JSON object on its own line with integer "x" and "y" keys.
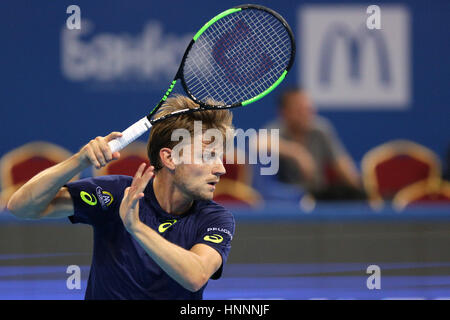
{"x": 69, "y": 86}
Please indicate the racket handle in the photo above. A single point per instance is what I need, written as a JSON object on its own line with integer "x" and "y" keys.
{"x": 130, "y": 134}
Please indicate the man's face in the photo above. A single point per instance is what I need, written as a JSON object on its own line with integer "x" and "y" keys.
{"x": 198, "y": 180}
{"x": 298, "y": 112}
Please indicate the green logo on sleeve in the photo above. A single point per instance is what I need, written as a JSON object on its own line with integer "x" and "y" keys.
{"x": 215, "y": 238}
{"x": 90, "y": 199}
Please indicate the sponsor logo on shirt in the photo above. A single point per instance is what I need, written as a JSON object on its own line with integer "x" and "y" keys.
{"x": 220, "y": 230}
{"x": 166, "y": 225}
{"x": 215, "y": 238}
{"x": 90, "y": 199}
{"x": 104, "y": 197}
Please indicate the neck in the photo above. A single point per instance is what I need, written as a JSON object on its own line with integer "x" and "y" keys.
{"x": 169, "y": 196}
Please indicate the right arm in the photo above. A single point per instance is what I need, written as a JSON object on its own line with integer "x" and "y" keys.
{"x": 44, "y": 194}
{"x": 301, "y": 156}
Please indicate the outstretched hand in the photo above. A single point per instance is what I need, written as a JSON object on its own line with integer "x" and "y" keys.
{"x": 129, "y": 207}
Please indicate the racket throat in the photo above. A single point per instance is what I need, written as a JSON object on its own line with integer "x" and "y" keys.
{"x": 168, "y": 92}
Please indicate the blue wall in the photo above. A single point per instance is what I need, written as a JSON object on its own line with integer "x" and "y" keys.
{"x": 39, "y": 102}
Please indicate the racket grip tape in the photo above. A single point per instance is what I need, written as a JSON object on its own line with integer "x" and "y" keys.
{"x": 130, "y": 134}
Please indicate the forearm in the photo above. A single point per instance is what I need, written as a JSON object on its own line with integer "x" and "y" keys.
{"x": 180, "y": 264}
{"x": 348, "y": 172}
{"x": 36, "y": 194}
{"x": 301, "y": 156}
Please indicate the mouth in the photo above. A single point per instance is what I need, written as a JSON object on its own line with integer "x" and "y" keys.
{"x": 213, "y": 184}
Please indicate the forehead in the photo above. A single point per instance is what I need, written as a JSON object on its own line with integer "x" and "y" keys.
{"x": 208, "y": 139}
{"x": 298, "y": 101}
{"x": 296, "y": 96}
{"x": 212, "y": 146}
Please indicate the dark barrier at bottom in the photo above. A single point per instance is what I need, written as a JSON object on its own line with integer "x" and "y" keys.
{"x": 285, "y": 259}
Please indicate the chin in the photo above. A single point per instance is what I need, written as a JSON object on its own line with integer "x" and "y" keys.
{"x": 205, "y": 196}
{"x": 208, "y": 196}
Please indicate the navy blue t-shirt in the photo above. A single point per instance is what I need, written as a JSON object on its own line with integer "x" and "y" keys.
{"x": 121, "y": 269}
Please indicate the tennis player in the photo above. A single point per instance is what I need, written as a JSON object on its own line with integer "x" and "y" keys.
{"x": 157, "y": 235}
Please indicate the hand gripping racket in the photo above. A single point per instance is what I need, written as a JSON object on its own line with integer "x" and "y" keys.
{"x": 237, "y": 57}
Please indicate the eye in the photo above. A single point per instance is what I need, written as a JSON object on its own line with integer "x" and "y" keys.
{"x": 207, "y": 156}
{"x": 210, "y": 156}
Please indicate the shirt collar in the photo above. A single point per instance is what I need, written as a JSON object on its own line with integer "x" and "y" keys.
{"x": 153, "y": 202}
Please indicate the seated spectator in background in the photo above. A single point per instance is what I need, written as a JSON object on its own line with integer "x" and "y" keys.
{"x": 311, "y": 154}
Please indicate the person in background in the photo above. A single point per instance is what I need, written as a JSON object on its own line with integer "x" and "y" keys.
{"x": 311, "y": 154}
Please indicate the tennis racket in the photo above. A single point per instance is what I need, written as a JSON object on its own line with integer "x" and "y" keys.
{"x": 237, "y": 57}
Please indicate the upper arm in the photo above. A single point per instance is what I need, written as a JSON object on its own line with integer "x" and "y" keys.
{"x": 60, "y": 207}
{"x": 209, "y": 257}
{"x": 213, "y": 238}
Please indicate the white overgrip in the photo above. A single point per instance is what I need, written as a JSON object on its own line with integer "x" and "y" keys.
{"x": 130, "y": 134}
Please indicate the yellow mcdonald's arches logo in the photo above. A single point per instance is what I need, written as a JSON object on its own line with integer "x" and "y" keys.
{"x": 107, "y": 198}
{"x": 166, "y": 225}
{"x": 90, "y": 199}
{"x": 215, "y": 238}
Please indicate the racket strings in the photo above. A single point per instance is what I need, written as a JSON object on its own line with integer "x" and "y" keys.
{"x": 238, "y": 57}
{"x": 238, "y": 71}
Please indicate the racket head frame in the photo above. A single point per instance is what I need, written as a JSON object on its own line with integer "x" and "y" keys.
{"x": 202, "y": 105}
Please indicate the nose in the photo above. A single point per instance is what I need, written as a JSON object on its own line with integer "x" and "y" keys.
{"x": 218, "y": 168}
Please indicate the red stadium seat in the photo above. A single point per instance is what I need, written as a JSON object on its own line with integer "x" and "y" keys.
{"x": 21, "y": 164}
{"x": 394, "y": 165}
{"x": 130, "y": 159}
{"x": 423, "y": 192}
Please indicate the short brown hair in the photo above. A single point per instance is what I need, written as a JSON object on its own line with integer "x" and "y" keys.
{"x": 161, "y": 133}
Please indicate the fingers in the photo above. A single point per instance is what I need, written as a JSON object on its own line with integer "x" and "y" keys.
{"x": 104, "y": 148}
{"x": 138, "y": 174}
{"x": 116, "y": 155}
{"x": 98, "y": 152}
{"x": 112, "y": 136}
{"x": 148, "y": 174}
{"x": 135, "y": 192}
{"x": 131, "y": 197}
{"x": 141, "y": 178}
{"x": 145, "y": 178}
{"x": 92, "y": 158}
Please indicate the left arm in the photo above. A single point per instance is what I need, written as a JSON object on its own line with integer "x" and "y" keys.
{"x": 347, "y": 171}
{"x": 341, "y": 161}
{"x": 190, "y": 268}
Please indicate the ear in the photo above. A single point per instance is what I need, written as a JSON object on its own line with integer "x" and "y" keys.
{"x": 165, "y": 154}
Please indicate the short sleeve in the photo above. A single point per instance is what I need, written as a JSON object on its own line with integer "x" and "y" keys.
{"x": 217, "y": 230}
{"x": 95, "y": 200}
